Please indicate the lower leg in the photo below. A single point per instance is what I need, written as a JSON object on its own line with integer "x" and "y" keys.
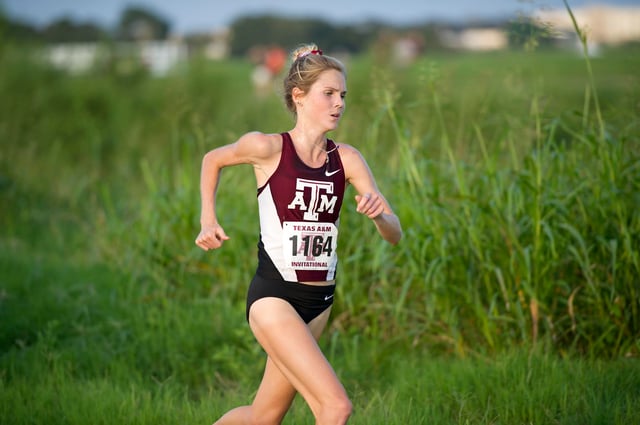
{"x": 335, "y": 412}
{"x": 248, "y": 415}
{"x": 273, "y": 398}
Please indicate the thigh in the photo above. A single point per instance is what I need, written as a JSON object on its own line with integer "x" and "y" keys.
{"x": 292, "y": 347}
{"x": 275, "y": 393}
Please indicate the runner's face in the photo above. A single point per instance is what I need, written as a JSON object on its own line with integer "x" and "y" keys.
{"x": 324, "y": 104}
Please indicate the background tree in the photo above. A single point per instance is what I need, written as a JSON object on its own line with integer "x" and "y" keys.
{"x": 65, "y": 30}
{"x": 14, "y": 30}
{"x": 528, "y": 33}
{"x": 137, "y": 23}
{"x": 288, "y": 32}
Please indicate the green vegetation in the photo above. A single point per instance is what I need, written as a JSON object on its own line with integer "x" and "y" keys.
{"x": 512, "y": 299}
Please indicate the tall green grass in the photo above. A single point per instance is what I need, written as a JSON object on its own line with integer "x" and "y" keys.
{"x": 520, "y": 225}
{"x": 520, "y": 228}
{"x": 519, "y": 204}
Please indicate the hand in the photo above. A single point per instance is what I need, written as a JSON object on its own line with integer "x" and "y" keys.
{"x": 370, "y": 205}
{"x": 211, "y": 237}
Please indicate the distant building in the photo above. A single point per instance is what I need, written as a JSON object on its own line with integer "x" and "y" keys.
{"x": 211, "y": 45}
{"x": 407, "y": 48}
{"x": 479, "y": 39}
{"x": 75, "y": 58}
{"x": 218, "y": 46}
{"x": 157, "y": 56}
{"x": 603, "y": 25}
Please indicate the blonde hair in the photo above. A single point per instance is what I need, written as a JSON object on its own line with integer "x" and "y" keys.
{"x": 308, "y": 63}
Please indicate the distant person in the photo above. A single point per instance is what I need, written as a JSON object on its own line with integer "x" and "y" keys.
{"x": 272, "y": 62}
{"x": 275, "y": 58}
{"x": 301, "y": 177}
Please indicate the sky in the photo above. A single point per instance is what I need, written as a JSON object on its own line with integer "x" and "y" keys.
{"x": 188, "y": 16}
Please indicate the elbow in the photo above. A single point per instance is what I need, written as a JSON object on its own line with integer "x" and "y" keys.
{"x": 206, "y": 159}
{"x": 395, "y": 238}
{"x": 396, "y": 235}
{"x": 391, "y": 230}
{"x": 210, "y": 161}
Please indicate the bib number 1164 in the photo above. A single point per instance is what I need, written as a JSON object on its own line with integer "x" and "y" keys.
{"x": 311, "y": 245}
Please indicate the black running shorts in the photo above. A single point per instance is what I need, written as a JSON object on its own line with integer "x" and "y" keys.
{"x": 308, "y": 300}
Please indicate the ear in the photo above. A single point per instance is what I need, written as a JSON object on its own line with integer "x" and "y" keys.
{"x": 297, "y": 94}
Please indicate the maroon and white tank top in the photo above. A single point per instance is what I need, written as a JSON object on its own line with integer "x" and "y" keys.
{"x": 299, "y": 210}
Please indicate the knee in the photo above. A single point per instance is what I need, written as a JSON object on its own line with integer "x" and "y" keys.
{"x": 347, "y": 409}
{"x": 336, "y": 412}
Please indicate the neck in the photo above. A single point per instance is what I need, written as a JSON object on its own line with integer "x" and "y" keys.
{"x": 312, "y": 150}
{"x": 309, "y": 141}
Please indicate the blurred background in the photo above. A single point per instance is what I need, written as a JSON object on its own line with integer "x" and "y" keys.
{"x": 166, "y": 33}
{"x": 505, "y": 135}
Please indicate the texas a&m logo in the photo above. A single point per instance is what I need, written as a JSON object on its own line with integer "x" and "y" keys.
{"x": 320, "y": 198}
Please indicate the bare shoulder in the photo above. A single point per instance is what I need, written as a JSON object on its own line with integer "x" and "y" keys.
{"x": 258, "y": 146}
{"x": 355, "y": 165}
{"x": 349, "y": 155}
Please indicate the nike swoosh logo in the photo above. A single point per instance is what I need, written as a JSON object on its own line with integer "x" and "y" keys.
{"x": 331, "y": 173}
{"x": 328, "y": 297}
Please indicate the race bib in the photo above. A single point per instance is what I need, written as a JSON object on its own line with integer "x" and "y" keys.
{"x": 308, "y": 245}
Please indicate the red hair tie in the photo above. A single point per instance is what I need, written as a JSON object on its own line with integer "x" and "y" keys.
{"x": 311, "y": 52}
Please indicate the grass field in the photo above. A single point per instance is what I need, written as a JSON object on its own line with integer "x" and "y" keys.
{"x": 514, "y": 297}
